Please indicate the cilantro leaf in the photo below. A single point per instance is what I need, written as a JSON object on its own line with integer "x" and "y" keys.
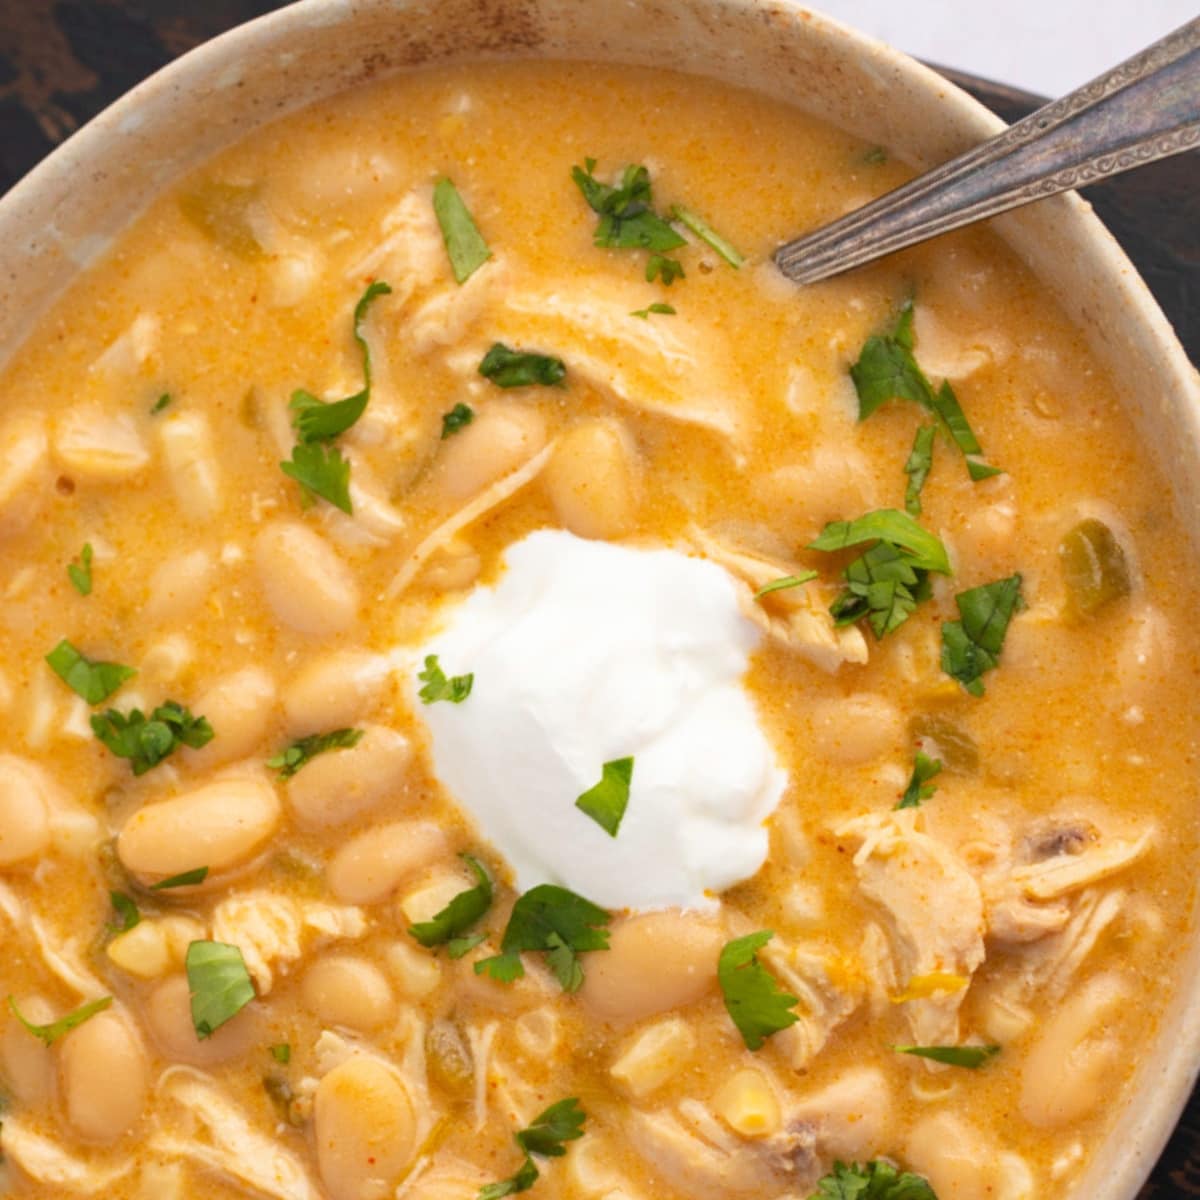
{"x": 668, "y": 269}
{"x": 160, "y": 403}
{"x": 888, "y": 525}
{"x": 437, "y": 687}
{"x": 281, "y": 1052}
{"x": 758, "y": 1005}
{"x": 509, "y": 368}
{"x": 627, "y": 218}
{"x": 972, "y": 645}
{"x": 785, "y": 581}
{"x": 219, "y": 984}
{"x": 127, "y": 912}
{"x": 971, "y": 1057}
{"x": 51, "y": 1032}
{"x": 556, "y": 922}
{"x": 917, "y": 468}
{"x": 707, "y": 234}
{"x": 146, "y": 742}
{"x": 301, "y": 752}
{"x": 461, "y": 913}
{"x": 183, "y": 879}
{"x": 93, "y": 680}
{"x": 321, "y": 471}
{"x": 606, "y": 802}
{"x": 457, "y": 947}
{"x": 875, "y": 156}
{"x": 464, "y": 243}
{"x": 919, "y": 788}
{"x": 561, "y": 1122}
{"x": 81, "y": 575}
{"x": 525, "y": 1177}
{"x": 664, "y": 309}
{"x": 459, "y": 417}
{"x": 872, "y": 1181}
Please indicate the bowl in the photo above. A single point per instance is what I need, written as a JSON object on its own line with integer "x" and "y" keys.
{"x": 65, "y": 214}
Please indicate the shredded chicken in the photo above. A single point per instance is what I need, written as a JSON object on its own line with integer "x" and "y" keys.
{"x": 828, "y": 993}
{"x": 47, "y": 1162}
{"x": 849, "y": 1119}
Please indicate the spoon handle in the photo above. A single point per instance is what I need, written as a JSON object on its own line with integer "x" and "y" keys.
{"x": 1146, "y": 108}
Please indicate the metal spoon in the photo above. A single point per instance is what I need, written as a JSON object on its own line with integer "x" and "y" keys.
{"x": 1146, "y": 108}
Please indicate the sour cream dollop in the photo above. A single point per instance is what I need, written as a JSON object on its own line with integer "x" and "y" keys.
{"x": 586, "y": 652}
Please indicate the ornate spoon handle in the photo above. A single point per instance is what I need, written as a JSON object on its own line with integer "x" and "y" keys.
{"x": 1144, "y": 109}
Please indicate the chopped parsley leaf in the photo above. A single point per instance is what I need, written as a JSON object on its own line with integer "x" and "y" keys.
{"x": 127, "y": 912}
{"x": 785, "y": 581}
{"x": 219, "y": 984}
{"x": 665, "y": 310}
{"x": 606, "y": 802}
{"x": 464, "y": 243}
{"x": 872, "y": 1181}
{"x": 437, "y": 687}
{"x": 183, "y": 879}
{"x": 457, "y": 947}
{"x": 919, "y": 788}
{"x": 627, "y": 218}
{"x": 659, "y": 266}
{"x": 555, "y": 922}
{"x": 707, "y": 234}
{"x": 301, "y": 752}
{"x": 321, "y": 471}
{"x": 146, "y": 742}
{"x": 281, "y": 1052}
{"x": 545, "y": 1136}
{"x": 917, "y": 468}
{"x": 160, "y": 403}
{"x": 875, "y": 156}
{"x": 94, "y": 681}
{"x": 972, "y": 1057}
{"x": 509, "y": 368}
{"x": 758, "y": 1005}
{"x": 460, "y": 914}
{"x": 51, "y": 1032}
{"x": 459, "y": 417}
{"x": 971, "y": 646}
{"x": 81, "y": 575}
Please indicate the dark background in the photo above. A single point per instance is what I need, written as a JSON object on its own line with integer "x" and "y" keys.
{"x": 62, "y": 61}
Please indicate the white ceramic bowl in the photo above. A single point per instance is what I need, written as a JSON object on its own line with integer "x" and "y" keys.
{"x": 65, "y": 213}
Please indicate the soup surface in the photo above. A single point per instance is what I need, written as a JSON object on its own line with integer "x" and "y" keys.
{"x": 737, "y": 827}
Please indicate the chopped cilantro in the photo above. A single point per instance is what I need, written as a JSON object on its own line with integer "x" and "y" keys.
{"x": 457, "y": 947}
{"x": 663, "y": 309}
{"x": 875, "y": 156}
{"x": 917, "y": 468}
{"x": 464, "y": 243}
{"x": 659, "y": 266}
{"x": 971, "y": 646}
{"x": 51, "y": 1032}
{"x": 785, "y": 581}
{"x": 160, "y": 403}
{"x": 509, "y": 368}
{"x": 437, "y": 687}
{"x": 81, "y": 575}
{"x": 183, "y": 879}
{"x": 627, "y": 217}
{"x": 94, "y": 681}
{"x": 606, "y": 802}
{"x": 872, "y": 1181}
{"x": 219, "y": 984}
{"x": 300, "y": 753}
{"x": 321, "y": 471}
{"x": 146, "y": 742}
{"x": 460, "y": 914}
{"x": 281, "y": 1052}
{"x": 972, "y": 1057}
{"x": 707, "y": 234}
{"x": 544, "y": 1136}
{"x": 127, "y": 912}
{"x": 459, "y": 417}
{"x": 919, "y": 788}
{"x": 555, "y": 922}
{"x": 758, "y": 1005}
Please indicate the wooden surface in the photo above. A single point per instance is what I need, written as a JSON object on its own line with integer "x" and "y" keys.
{"x": 62, "y": 61}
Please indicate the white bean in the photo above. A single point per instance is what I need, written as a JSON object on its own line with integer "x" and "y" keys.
{"x": 337, "y": 787}
{"x": 342, "y": 990}
{"x": 855, "y": 729}
{"x": 370, "y": 867}
{"x": 24, "y": 469}
{"x": 168, "y": 1015}
{"x": 365, "y": 1128}
{"x": 502, "y": 437}
{"x": 307, "y": 586}
{"x": 192, "y": 466}
{"x": 25, "y": 831}
{"x": 100, "y": 446}
{"x": 240, "y": 708}
{"x": 179, "y": 585}
{"x": 28, "y": 1063}
{"x": 105, "y": 1077}
{"x": 961, "y": 1163}
{"x": 591, "y": 481}
{"x": 334, "y": 691}
{"x": 221, "y": 826}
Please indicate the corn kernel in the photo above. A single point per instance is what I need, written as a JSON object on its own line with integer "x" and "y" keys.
{"x": 748, "y": 1105}
{"x": 653, "y": 1056}
{"x": 142, "y": 951}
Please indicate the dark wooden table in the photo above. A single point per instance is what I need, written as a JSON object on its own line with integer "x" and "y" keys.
{"x": 62, "y": 61}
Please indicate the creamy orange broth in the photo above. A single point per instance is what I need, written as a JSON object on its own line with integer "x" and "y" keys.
{"x": 1086, "y": 734}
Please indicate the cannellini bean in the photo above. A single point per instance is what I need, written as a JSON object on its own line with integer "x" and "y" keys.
{"x": 24, "y": 469}
{"x": 25, "y": 831}
{"x": 416, "y": 972}
{"x": 105, "y": 1077}
{"x": 94, "y": 445}
{"x": 590, "y": 1167}
{"x": 747, "y": 1103}
{"x": 240, "y": 708}
{"x": 853, "y": 1114}
{"x": 334, "y": 691}
{"x": 166, "y": 660}
{"x": 855, "y": 729}
{"x": 658, "y": 1053}
{"x": 306, "y": 584}
{"x": 191, "y": 463}
{"x": 342, "y": 990}
{"x": 433, "y": 894}
{"x": 655, "y": 962}
{"x": 370, "y": 867}
{"x": 335, "y": 788}
{"x": 1066, "y": 1067}
{"x": 502, "y": 437}
{"x": 221, "y": 826}
{"x": 365, "y": 1127}
{"x": 292, "y": 276}
{"x": 835, "y": 481}
{"x": 154, "y": 946}
{"x": 960, "y": 1162}
{"x": 179, "y": 585}
{"x": 168, "y": 1016}
{"x": 453, "y": 566}
{"x": 591, "y": 480}
{"x": 28, "y": 1063}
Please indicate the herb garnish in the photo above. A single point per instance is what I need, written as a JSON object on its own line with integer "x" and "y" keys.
{"x": 219, "y": 984}
{"x": 758, "y": 1005}
{"x": 627, "y": 217}
{"x": 281, "y": 1052}
{"x": 606, "y": 802}
{"x": 301, "y": 752}
{"x": 81, "y": 575}
{"x": 972, "y": 645}
{"x": 555, "y": 922}
{"x": 919, "y": 788}
{"x": 127, "y": 912}
{"x": 544, "y": 1136}
{"x": 872, "y": 1181}
{"x": 509, "y": 368}
{"x": 459, "y": 417}
{"x": 875, "y": 156}
{"x": 785, "y": 581}
{"x": 972, "y": 1057}
{"x": 665, "y": 310}
{"x": 460, "y": 914}
{"x": 464, "y": 243}
{"x": 160, "y": 403}
{"x": 51, "y": 1032}
{"x": 437, "y": 687}
{"x": 93, "y": 680}
{"x": 917, "y": 468}
{"x": 707, "y": 234}
{"x": 146, "y": 742}
{"x": 183, "y": 879}
{"x": 668, "y": 269}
